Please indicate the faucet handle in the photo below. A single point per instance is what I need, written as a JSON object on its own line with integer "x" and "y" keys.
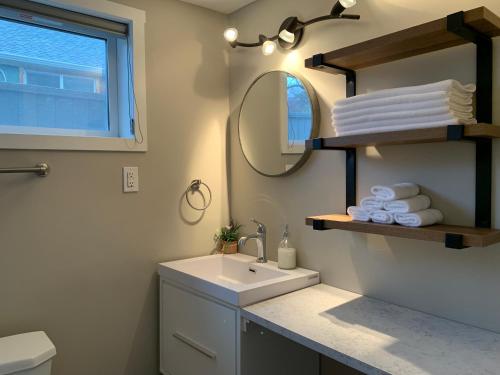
{"x": 260, "y": 226}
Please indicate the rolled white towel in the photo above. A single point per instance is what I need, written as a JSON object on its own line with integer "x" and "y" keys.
{"x": 382, "y": 217}
{"x": 357, "y": 213}
{"x": 418, "y": 203}
{"x": 419, "y": 219}
{"x": 397, "y": 191}
{"x": 371, "y": 204}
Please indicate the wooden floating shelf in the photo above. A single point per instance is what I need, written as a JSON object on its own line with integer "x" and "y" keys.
{"x": 470, "y": 236}
{"x": 417, "y": 40}
{"x": 430, "y": 135}
{"x": 476, "y": 26}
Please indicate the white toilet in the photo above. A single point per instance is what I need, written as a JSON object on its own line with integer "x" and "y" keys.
{"x": 26, "y": 354}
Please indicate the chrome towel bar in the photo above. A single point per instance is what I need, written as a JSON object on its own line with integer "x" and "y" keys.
{"x": 41, "y": 169}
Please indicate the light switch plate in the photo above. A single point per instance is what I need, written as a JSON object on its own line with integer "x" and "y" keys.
{"x": 130, "y": 179}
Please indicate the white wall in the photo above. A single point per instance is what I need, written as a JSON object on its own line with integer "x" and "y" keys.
{"x": 460, "y": 285}
{"x": 77, "y": 256}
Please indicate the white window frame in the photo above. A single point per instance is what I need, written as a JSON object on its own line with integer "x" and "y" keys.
{"x": 135, "y": 19}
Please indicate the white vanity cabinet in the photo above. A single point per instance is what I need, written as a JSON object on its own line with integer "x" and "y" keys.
{"x": 197, "y": 334}
{"x": 200, "y": 316}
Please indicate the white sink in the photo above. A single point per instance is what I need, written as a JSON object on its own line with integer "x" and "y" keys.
{"x": 236, "y": 279}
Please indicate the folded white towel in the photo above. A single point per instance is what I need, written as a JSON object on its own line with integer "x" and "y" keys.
{"x": 342, "y": 131}
{"x": 397, "y": 191}
{"x": 419, "y": 219}
{"x": 425, "y": 105}
{"x": 419, "y": 115}
{"x": 357, "y": 213}
{"x": 384, "y": 123}
{"x": 382, "y": 217}
{"x": 450, "y": 86}
{"x": 418, "y": 203}
{"x": 371, "y": 204}
{"x": 438, "y": 97}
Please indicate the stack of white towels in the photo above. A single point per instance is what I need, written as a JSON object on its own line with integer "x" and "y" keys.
{"x": 400, "y": 203}
{"x": 437, "y": 104}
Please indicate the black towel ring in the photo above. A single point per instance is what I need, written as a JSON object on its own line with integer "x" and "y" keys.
{"x": 195, "y": 187}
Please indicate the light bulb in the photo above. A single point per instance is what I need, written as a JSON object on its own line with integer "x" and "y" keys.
{"x": 340, "y": 6}
{"x": 348, "y": 3}
{"x": 268, "y": 47}
{"x": 287, "y": 36}
{"x": 231, "y": 34}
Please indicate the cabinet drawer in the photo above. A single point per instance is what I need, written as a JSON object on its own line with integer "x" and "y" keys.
{"x": 198, "y": 336}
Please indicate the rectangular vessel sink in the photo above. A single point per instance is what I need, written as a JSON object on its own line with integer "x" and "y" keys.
{"x": 236, "y": 279}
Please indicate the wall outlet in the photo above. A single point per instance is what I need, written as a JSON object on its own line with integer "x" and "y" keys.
{"x": 130, "y": 179}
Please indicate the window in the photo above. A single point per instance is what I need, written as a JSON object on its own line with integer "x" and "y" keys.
{"x": 67, "y": 74}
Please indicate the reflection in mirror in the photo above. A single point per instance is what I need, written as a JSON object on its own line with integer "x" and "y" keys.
{"x": 279, "y": 113}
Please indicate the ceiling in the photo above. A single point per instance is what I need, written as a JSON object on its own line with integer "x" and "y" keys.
{"x": 223, "y": 6}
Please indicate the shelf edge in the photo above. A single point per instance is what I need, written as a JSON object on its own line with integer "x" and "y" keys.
{"x": 433, "y": 233}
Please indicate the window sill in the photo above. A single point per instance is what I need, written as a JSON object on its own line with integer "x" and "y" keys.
{"x": 56, "y": 142}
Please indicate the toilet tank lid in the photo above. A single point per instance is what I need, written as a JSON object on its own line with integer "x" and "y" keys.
{"x": 24, "y": 351}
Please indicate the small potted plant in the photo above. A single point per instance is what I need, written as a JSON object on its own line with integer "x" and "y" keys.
{"x": 227, "y": 238}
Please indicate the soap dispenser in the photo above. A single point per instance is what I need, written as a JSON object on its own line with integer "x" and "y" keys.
{"x": 287, "y": 256}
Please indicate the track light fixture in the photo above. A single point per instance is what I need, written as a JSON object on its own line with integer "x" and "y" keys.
{"x": 291, "y": 30}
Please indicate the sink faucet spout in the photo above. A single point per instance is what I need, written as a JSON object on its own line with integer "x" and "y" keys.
{"x": 260, "y": 237}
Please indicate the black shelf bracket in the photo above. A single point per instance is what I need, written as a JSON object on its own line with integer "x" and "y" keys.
{"x": 319, "y": 225}
{"x": 318, "y": 62}
{"x": 484, "y": 104}
{"x": 351, "y": 168}
{"x": 454, "y": 241}
{"x": 317, "y": 144}
{"x": 484, "y": 169}
{"x": 350, "y": 177}
{"x": 484, "y": 66}
{"x": 455, "y": 133}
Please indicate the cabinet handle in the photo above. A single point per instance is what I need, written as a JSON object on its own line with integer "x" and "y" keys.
{"x": 193, "y": 344}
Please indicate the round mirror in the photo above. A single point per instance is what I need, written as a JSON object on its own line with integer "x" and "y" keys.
{"x": 279, "y": 113}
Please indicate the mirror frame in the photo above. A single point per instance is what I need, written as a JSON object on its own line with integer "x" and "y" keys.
{"x": 315, "y": 122}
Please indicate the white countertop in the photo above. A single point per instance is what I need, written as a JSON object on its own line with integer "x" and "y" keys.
{"x": 376, "y": 337}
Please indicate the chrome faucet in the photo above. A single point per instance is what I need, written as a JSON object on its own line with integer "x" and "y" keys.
{"x": 260, "y": 237}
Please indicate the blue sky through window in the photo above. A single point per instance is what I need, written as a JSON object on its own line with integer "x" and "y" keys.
{"x": 299, "y": 111}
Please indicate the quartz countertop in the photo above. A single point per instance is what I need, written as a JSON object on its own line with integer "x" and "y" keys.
{"x": 376, "y": 337}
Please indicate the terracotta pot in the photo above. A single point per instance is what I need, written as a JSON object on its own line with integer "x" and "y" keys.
{"x": 229, "y": 247}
